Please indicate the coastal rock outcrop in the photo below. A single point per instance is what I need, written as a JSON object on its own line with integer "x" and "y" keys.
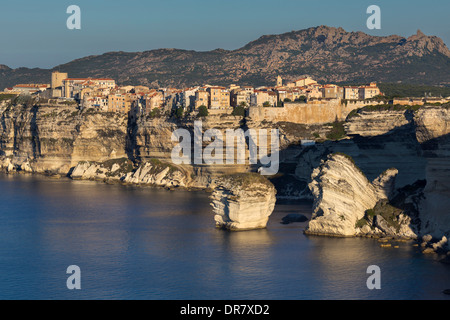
{"x": 342, "y": 194}
{"x": 431, "y": 245}
{"x": 345, "y": 201}
{"x": 243, "y": 201}
{"x": 293, "y": 217}
{"x": 158, "y": 173}
{"x": 154, "y": 172}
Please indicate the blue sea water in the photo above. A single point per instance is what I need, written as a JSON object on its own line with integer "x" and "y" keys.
{"x": 149, "y": 243}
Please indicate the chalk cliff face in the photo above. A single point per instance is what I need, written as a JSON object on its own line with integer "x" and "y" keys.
{"x": 53, "y": 140}
{"x": 433, "y": 132}
{"x": 243, "y": 201}
{"x": 374, "y": 123}
{"x": 378, "y": 139}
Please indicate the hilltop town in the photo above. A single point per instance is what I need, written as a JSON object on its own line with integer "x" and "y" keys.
{"x": 105, "y": 95}
{"x": 301, "y": 100}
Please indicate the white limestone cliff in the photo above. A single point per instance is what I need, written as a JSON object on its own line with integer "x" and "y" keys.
{"x": 154, "y": 172}
{"x": 343, "y": 194}
{"x": 433, "y": 132}
{"x": 243, "y": 201}
{"x": 157, "y": 174}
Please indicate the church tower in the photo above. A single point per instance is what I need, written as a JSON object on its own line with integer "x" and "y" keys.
{"x": 279, "y": 81}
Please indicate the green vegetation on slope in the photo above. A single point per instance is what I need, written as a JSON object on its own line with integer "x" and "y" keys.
{"x": 384, "y": 209}
{"x": 337, "y": 131}
{"x": 397, "y": 90}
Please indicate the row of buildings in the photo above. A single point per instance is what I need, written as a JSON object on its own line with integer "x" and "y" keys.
{"x": 105, "y": 95}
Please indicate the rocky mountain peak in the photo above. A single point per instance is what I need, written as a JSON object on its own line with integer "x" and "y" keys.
{"x": 420, "y": 33}
{"x": 420, "y": 42}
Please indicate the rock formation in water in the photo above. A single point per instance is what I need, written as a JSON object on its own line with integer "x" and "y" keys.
{"x": 433, "y": 245}
{"x": 343, "y": 197}
{"x": 243, "y": 201}
{"x": 154, "y": 172}
{"x": 293, "y": 217}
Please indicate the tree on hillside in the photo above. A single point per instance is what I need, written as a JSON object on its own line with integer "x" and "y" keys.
{"x": 301, "y": 99}
{"x": 179, "y": 113}
{"x": 202, "y": 111}
{"x": 238, "y": 111}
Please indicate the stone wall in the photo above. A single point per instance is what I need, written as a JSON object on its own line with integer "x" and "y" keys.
{"x": 313, "y": 112}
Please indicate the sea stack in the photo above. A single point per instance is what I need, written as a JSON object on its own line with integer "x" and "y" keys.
{"x": 342, "y": 195}
{"x": 243, "y": 201}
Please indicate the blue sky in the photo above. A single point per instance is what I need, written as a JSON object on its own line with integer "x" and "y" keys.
{"x": 34, "y": 33}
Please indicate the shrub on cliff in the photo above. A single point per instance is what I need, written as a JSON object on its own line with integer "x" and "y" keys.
{"x": 159, "y": 166}
{"x": 25, "y": 100}
{"x": 179, "y": 113}
{"x": 124, "y": 164}
{"x": 155, "y": 113}
{"x": 391, "y": 107}
{"x": 238, "y": 111}
{"x": 301, "y": 99}
{"x": 246, "y": 180}
{"x": 4, "y": 97}
{"x": 202, "y": 111}
{"x": 337, "y": 131}
{"x": 384, "y": 209}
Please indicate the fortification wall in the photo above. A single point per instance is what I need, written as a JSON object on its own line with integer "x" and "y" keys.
{"x": 313, "y": 112}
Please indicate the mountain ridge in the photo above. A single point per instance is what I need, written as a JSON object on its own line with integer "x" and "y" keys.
{"x": 328, "y": 54}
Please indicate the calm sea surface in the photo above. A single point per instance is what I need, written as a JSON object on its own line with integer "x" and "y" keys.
{"x": 147, "y": 243}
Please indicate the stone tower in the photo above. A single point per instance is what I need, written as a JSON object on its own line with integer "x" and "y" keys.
{"x": 279, "y": 81}
{"x": 57, "y": 78}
